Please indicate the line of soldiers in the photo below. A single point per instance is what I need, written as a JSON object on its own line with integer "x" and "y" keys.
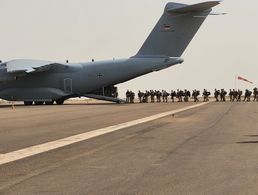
{"x": 235, "y": 95}
{"x": 185, "y": 95}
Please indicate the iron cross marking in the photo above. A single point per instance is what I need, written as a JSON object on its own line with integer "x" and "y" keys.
{"x": 99, "y": 75}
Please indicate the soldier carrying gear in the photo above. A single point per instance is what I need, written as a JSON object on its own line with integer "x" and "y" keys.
{"x": 223, "y": 94}
{"x": 235, "y": 94}
{"x": 173, "y": 95}
{"x": 165, "y": 95}
{"x": 206, "y": 95}
{"x": 158, "y": 95}
{"x": 216, "y": 95}
{"x": 146, "y": 95}
{"x": 127, "y": 96}
{"x": 230, "y": 95}
{"x": 144, "y": 98}
{"x": 239, "y": 95}
{"x": 140, "y": 96}
{"x": 187, "y": 95}
{"x": 182, "y": 94}
{"x": 132, "y": 95}
{"x": 247, "y": 95}
{"x": 152, "y": 95}
{"x": 179, "y": 95}
{"x": 195, "y": 95}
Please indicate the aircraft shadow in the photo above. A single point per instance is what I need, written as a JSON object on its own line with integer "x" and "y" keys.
{"x": 251, "y": 135}
{"x": 248, "y": 142}
{"x": 69, "y": 104}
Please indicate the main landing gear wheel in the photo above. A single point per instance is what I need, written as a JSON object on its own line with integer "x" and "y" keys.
{"x": 60, "y": 102}
{"x": 49, "y": 102}
{"x": 39, "y": 103}
{"x": 28, "y": 103}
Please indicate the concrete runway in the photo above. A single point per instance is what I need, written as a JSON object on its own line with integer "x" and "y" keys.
{"x": 212, "y": 149}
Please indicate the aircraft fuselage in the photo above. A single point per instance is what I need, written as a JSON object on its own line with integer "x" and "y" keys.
{"x": 75, "y": 80}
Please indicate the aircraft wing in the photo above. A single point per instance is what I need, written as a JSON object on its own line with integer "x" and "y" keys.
{"x": 30, "y": 66}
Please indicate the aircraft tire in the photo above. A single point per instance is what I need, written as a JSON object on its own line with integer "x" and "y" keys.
{"x": 49, "y": 102}
{"x": 38, "y": 103}
{"x": 28, "y": 103}
{"x": 60, "y": 102}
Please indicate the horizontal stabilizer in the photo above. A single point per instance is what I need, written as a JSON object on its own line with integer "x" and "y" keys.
{"x": 182, "y": 8}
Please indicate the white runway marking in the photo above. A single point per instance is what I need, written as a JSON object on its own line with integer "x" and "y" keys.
{"x": 33, "y": 150}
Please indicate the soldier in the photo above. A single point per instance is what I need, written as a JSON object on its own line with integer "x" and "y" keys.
{"x": 132, "y": 95}
{"x": 247, "y": 95}
{"x": 179, "y": 95}
{"x": 163, "y": 94}
{"x": 206, "y": 95}
{"x": 155, "y": 95}
{"x": 187, "y": 95}
{"x": 182, "y": 94}
{"x": 239, "y": 95}
{"x": 195, "y": 95}
{"x": 127, "y": 94}
{"x": 223, "y": 94}
{"x": 235, "y": 94}
{"x": 230, "y": 95}
{"x": 173, "y": 95}
{"x": 158, "y": 95}
{"x": 147, "y": 95}
{"x": 152, "y": 95}
{"x": 140, "y": 96}
{"x": 216, "y": 95}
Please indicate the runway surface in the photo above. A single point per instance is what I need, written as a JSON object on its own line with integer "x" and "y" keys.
{"x": 212, "y": 149}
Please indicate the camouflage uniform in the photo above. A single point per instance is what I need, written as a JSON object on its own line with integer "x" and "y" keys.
{"x": 216, "y": 95}
{"x": 140, "y": 95}
{"x": 173, "y": 95}
{"x": 152, "y": 95}
{"x": 127, "y": 94}
{"x": 195, "y": 95}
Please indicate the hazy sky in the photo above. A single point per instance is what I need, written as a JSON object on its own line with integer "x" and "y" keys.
{"x": 80, "y": 30}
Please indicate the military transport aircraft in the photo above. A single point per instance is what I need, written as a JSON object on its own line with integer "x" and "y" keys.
{"x": 39, "y": 82}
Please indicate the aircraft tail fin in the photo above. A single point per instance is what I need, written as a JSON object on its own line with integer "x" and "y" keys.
{"x": 175, "y": 29}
